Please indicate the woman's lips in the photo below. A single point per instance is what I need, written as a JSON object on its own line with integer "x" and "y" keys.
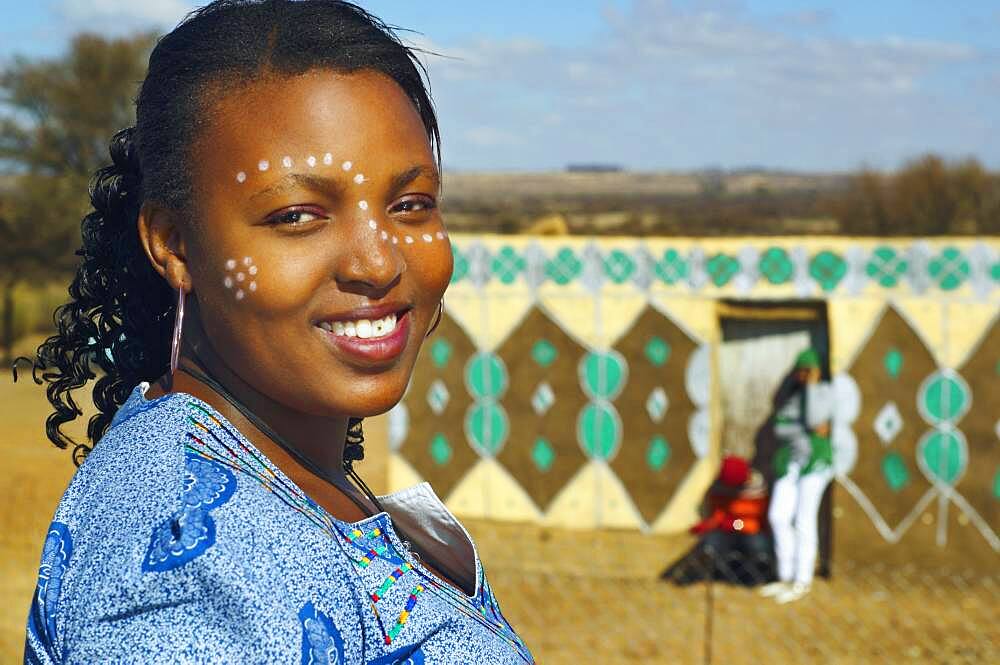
{"x": 374, "y": 350}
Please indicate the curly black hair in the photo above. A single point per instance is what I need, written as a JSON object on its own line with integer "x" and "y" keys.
{"x": 120, "y": 313}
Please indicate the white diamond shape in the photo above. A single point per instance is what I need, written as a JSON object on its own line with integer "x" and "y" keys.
{"x": 656, "y": 404}
{"x": 888, "y": 423}
{"x": 543, "y": 398}
{"x": 437, "y": 397}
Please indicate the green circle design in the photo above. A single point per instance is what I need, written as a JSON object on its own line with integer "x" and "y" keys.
{"x": 775, "y": 265}
{"x": 603, "y": 375}
{"x": 949, "y": 269}
{"x": 619, "y": 266}
{"x": 722, "y": 268}
{"x": 672, "y": 268}
{"x": 943, "y": 455}
{"x": 885, "y": 267}
{"x": 599, "y": 430}
{"x": 944, "y": 397}
{"x": 486, "y": 376}
{"x": 827, "y": 269}
{"x": 487, "y": 427}
{"x": 564, "y": 267}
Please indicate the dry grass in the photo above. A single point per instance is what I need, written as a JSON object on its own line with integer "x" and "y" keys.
{"x": 594, "y": 597}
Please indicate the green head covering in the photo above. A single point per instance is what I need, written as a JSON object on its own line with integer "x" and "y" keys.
{"x": 807, "y": 359}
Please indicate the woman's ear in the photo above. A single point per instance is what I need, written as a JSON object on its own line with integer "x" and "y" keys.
{"x": 164, "y": 245}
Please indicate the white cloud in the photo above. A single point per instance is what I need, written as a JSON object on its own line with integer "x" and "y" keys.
{"x": 122, "y": 14}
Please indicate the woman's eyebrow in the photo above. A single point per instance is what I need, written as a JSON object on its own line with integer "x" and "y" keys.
{"x": 313, "y": 183}
{"x": 404, "y": 178}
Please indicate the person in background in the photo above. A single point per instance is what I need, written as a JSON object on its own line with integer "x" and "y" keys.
{"x": 732, "y": 545}
{"x": 803, "y": 468}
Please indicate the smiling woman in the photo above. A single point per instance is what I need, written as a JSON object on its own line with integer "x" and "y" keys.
{"x": 264, "y": 259}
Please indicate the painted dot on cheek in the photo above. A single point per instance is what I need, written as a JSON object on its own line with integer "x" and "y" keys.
{"x": 241, "y": 177}
{"x": 409, "y": 240}
{"x": 363, "y": 205}
{"x": 395, "y": 240}
{"x": 286, "y": 162}
{"x": 253, "y": 286}
{"x": 328, "y": 159}
{"x": 252, "y": 270}
{"x": 230, "y": 264}
{"x": 311, "y": 161}
{"x": 428, "y": 237}
{"x": 385, "y": 236}
{"x": 247, "y": 260}
{"x": 228, "y": 282}
{"x": 360, "y": 178}
{"x": 240, "y": 294}
{"x": 263, "y": 165}
{"x": 346, "y": 166}
{"x": 372, "y": 224}
{"x": 440, "y": 235}
{"x": 240, "y": 277}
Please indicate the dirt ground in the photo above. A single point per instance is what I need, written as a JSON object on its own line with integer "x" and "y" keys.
{"x": 595, "y": 597}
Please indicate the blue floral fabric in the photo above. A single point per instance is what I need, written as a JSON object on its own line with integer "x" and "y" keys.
{"x": 178, "y": 541}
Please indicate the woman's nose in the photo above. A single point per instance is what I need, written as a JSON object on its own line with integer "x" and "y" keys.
{"x": 369, "y": 259}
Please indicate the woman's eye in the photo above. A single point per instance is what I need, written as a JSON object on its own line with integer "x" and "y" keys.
{"x": 295, "y": 217}
{"x": 415, "y": 204}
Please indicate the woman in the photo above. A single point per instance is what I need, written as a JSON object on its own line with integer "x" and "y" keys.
{"x": 264, "y": 259}
{"x": 803, "y": 468}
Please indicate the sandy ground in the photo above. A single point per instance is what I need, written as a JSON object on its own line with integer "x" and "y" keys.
{"x": 594, "y": 597}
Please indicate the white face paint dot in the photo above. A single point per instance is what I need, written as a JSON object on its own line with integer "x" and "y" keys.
{"x": 252, "y": 270}
{"x": 363, "y": 205}
{"x": 228, "y": 282}
{"x": 240, "y": 294}
{"x": 240, "y": 277}
{"x": 241, "y": 177}
{"x": 385, "y": 236}
{"x": 440, "y": 235}
{"x": 263, "y": 165}
{"x": 230, "y": 264}
{"x": 395, "y": 240}
{"x": 346, "y": 166}
{"x": 428, "y": 237}
{"x": 372, "y": 224}
{"x": 247, "y": 260}
{"x": 409, "y": 240}
{"x": 360, "y": 178}
{"x": 253, "y": 286}
{"x": 286, "y": 161}
{"x": 328, "y": 159}
{"x": 311, "y": 161}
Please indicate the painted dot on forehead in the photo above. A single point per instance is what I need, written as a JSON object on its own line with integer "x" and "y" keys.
{"x": 346, "y": 166}
{"x": 328, "y": 158}
{"x": 241, "y": 177}
{"x": 286, "y": 161}
{"x": 360, "y": 178}
{"x": 263, "y": 165}
{"x": 440, "y": 235}
{"x": 409, "y": 240}
{"x": 395, "y": 240}
{"x": 363, "y": 205}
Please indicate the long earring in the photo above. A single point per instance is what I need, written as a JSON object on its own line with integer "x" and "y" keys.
{"x": 175, "y": 345}
{"x": 437, "y": 321}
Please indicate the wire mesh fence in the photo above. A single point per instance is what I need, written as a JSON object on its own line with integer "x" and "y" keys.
{"x": 601, "y": 597}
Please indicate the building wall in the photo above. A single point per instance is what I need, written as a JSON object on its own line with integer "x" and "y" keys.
{"x": 575, "y": 382}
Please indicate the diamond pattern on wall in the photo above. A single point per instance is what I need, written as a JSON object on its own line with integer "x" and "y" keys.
{"x": 980, "y": 484}
{"x": 436, "y": 402}
{"x": 654, "y": 455}
{"x": 886, "y": 475}
{"x": 541, "y": 451}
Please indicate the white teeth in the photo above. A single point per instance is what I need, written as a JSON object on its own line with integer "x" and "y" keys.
{"x": 362, "y": 328}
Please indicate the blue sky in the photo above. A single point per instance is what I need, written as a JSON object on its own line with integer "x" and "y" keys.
{"x": 658, "y": 84}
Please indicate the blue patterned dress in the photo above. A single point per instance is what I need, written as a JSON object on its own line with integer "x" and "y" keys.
{"x": 178, "y": 541}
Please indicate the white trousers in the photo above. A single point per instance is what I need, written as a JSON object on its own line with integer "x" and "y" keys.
{"x": 793, "y": 516}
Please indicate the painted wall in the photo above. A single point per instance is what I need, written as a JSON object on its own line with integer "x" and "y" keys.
{"x": 574, "y": 381}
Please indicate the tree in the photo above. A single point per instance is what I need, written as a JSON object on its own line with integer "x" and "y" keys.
{"x": 56, "y": 118}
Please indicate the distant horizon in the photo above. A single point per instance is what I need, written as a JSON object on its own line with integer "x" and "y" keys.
{"x": 664, "y": 85}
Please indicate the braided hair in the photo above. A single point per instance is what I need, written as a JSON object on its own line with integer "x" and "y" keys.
{"x": 117, "y": 324}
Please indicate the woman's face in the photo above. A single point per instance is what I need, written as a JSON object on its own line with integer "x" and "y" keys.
{"x": 319, "y": 255}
